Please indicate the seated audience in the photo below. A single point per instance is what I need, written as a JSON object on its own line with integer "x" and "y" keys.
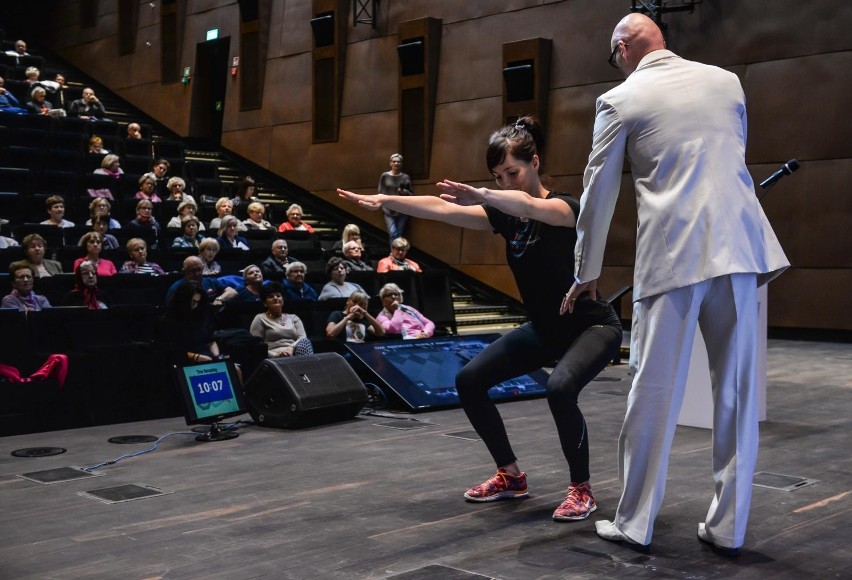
{"x": 138, "y": 263}
{"x": 188, "y": 325}
{"x": 224, "y": 206}
{"x": 337, "y": 286}
{"x": 101, "y": 205}
{"x": 100, "y": 223}
{"x": 56, "y": 212}
{"x": 34, "y": 250}
{"x": 147, "y": 186}
{"x": 31, "y": 75}
{"x": 22, "y": 296}
{"x": 228, "y": 237}
{"x": 59, "y": 93}
{"x": 352, "y": 251}
{"x": 255, "y": 220}
{"x": 252, "y": 284}
{"x": 145, "y": 225}
{"x": 295, "y": 287}
{"x": 294, "y": 221}
{"x": 185, "y": 208}
{"x": 9, "y": 102}
{"x": 96, "y": 146}
{"x": 397, "y": 260}
{"x": 190, "y": 238}
{"x": 275, "y": 266}
{"x": 193, "y": 274}
{"x": 20, "y": 49}
{"x": 86, "y": 292}
{"x": 7, "y": 242}
{"x": 245, "y": 192}
{"x": 92, "y": 242}
{"x": 208, "y": 248}
{"x": 397, "y": 318}
{"x": 88, "y": 108}
{"x": 160, "y": 169}
{"x": 134, "y": 131}
{"x": 39, "y": 105}
{"x": 110, "y": 165}
{"x": 350, "y": 232}
{"x": 354, "y": 323}
{"x": 177, "y": 191}
{"x": 283, "y": 333}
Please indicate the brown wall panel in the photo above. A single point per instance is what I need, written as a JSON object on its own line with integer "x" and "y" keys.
{"x": 808, "y": 298}
{"x": 371, "y": 82}
{"x": 499, "y": 277}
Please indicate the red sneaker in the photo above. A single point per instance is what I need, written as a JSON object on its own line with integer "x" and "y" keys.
{"x": 578, "y": 505}
{"x": 502, "y": 485}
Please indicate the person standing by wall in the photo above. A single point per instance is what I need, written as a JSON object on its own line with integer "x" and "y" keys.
{"x": 703, "y": 247}
{"x": 395, "y": 182}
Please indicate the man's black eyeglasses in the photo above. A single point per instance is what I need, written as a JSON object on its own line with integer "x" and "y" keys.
{"x": 611, "y": 60}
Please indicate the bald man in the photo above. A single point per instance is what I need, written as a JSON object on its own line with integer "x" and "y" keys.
{"x": 703, "y": 247}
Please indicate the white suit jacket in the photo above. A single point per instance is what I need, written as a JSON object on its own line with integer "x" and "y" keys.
{"x": 683, "y": 127}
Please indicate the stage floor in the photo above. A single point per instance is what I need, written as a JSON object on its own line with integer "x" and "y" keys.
{"x": 381, "y": 496}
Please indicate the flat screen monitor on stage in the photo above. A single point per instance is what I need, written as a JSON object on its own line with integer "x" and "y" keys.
{"x": 211, "y": 393}
{"x": 422, "y": 372}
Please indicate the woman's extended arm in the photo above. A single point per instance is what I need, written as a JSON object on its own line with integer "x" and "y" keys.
{"x": 554, "y": 212}
{"x": 424, "y": 206}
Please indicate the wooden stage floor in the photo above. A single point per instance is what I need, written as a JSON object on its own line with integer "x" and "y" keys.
{"x": 367, "y": 499}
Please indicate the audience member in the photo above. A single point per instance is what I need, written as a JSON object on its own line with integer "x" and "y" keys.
{"x": 352, "y": 252}
{"x": 22, "y": 296}
{"x": 188, "y": 325}
{"x": 397, "y": 260}
{"x": 34, "y": 250}
{"x": 88, "y": 108}
{"x": 283, "y": 333}
{"x": 193, "y": 274}
{"x": 100, "y": 223}
{"x": 147, "y": 188}
{"x": 190, "y": 237}
{"x": 93, "y": 244}
{"x": 185, "y": 208}
{"x": 7, "y": 242}
{"x": 294, "y": 221}
{"x": 59, "y": 93}
{"x": 138, "y": 263}
{"x": 228, "y": 237}
{"x": 350, "y": 232}
{"x": 160, "y": 169}
{"x": 224, "y": 207}
{"x": 86, "y": 292}
{"x": 245, "y": 192}
{"x": 255, "y": 220}
{"x": 395, "y": 182}
{"x": 31, "y": 75}
{"x": 134, "y": 131}
{"x": 110, "y": 165}
{"x": 250, "y": 289}
{"x": 96, "y": 146}
{"x": 353, "y": 323}
{"x": 145, "y": 222}
{"x": 177, "y": 191}
{"x": 8, "y": 102}
{"x": 397, "y": 318}
{"x": 337, "y": 286}
{"x": 295, "y": 287}
{"x": 20, "y": 49}
{"x": 103, "y": 206}
{"x": 275, "y": 266}
{"x": 208, "y": 248}
{"x": 39, "y": 105}
{"x": 56, "y": 212}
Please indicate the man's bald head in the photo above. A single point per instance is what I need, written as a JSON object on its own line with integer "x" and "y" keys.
{"x": 635, "y": 35}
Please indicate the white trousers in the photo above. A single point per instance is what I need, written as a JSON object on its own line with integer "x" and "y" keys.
{"x": 725, "y": 309}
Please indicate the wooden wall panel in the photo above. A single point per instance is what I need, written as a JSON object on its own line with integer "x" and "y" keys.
{"x": 811, "y": 298}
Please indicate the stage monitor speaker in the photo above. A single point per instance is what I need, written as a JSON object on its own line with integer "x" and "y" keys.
{"x": 302, "y": 391}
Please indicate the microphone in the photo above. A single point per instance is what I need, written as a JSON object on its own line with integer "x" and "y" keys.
{"x": 786, "y": 169}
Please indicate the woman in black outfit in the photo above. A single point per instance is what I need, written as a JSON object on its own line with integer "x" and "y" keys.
{"x": 538, "y": 226}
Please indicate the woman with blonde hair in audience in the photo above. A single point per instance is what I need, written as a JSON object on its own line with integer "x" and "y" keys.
{"x": 177, "y": 190}
{"x": 86, "y": 292}
{"x": 255, "y": 220}
{"x": 283, "y": 333}
{"x": 190, "y": 238}
{"x": 397, "y": 318}
{"x": 224, "y": 207}
{"x": 350, "y": 232}
{"x": 110, "y": 165}
{"x": 34, "y": 249}
{"x": 397, "y": 260}
{"x": 228, "y": 237}
{"x": 101, "y": 205}
{"x": 93, "y": 243}
{"x": 294, "y": 221}
{"x": 96, "y": 146}
{"x": 138, "y": 263}
{"x": 207, "y": 250}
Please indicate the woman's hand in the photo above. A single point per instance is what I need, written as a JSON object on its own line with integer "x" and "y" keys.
{"x": 371, "y": 202}
{"x": 461, "y": 193}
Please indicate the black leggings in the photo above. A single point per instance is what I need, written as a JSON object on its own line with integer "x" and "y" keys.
{"x": 581, "y": 357}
